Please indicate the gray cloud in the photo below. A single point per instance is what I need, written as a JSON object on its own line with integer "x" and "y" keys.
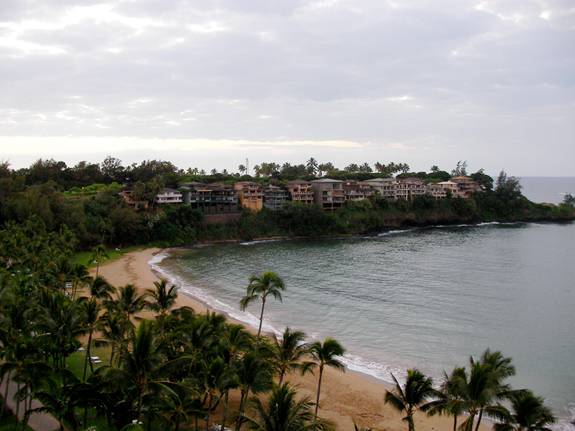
{"x": 424, "y": 81}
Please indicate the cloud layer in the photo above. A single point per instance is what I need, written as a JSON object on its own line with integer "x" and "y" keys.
{"x": 424, "y": 81}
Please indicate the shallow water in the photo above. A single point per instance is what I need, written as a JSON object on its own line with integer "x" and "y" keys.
{"x": 425, "y": 298}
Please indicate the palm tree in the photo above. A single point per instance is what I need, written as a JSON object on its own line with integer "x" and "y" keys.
{"x": 128, "y": 302}
{"x": 288, "y": 353}
{"x": 254, "y": 375}
{"x": 449, "y": 398}
{"x": 268, "y": 283}
{"x": 325, "y": 355}
{"x": 98, "y": 253}
{"x": 178, "y": 405}
{"x": 529, "y": 414}
{"x": 413, "y": 395}
{"x": 311, "y": 166}
{"x": 91, "y": 311}
{"x": 163, "y": 297}
{"x": 101, "y": 289}
{"x": 283, "y": 412}
{"x": 485, "y": 386}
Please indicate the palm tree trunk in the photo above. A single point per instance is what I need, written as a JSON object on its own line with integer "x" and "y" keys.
{"x": 282, "y": 374}
{"x": 262, "y": 316}
{"x": 454, "y": 422}
{"x": 243, "y": 396}
{"x": 318, "y": 393}
{"x": 4, "y": 406}
{"x": 209, "y": 413}
{"x": 88, "y": 357}
{"x": 17, "y": 399}
{"x": 410, "y": 422}
{"x": 225, "y": 413}
{"x": 479, "y": 420}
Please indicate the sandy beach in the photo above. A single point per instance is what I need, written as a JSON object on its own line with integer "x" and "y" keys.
{"x": 346, "y": 397}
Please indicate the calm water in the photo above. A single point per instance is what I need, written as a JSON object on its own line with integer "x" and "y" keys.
{"x": 424, "y": 298}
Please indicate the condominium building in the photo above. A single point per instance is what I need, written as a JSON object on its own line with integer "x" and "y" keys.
{"x": 357, "y": 191}
{"x": 301, "y": 191}
{"x": 250, "y": 195}
{"x": 384, "y": 187}
{"x": 169, "y": 196}
{"x": 409, "y": 188}
{"x": 328, "y": 193}
{"x": 215, "y": 198}
{"x": 450, "y": 188}
{"x": 275, "y": 197}
{"x": 128, "y": 197}
{"x": 435, "y": 190}
{"x": 466, "y": 186}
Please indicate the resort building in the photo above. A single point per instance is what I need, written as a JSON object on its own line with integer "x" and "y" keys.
{"x": 275, "y": 197}
{"x": 169, "y": 196}
{"x": 384, "y": 187}
{"x": 409, "y": 188}
{"x": 466, "y": 186}
{"x": 250, "y": 195}
{"x": 301, "y": 191}
{"x": 213, "y": 198}
{"x": 357, "y": 191}
{"x": 450, "y": 188}
{"x": 328, "y": 193}
{"x": 436, "y": 191}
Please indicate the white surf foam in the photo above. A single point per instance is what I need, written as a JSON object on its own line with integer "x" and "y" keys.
{"x": 260, "y": 241}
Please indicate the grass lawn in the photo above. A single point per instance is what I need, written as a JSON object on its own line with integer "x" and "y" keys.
{"x": 84, "y": 257}
{"x": 75, "y": 361}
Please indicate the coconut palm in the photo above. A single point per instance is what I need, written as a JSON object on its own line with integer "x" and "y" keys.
{"x": 288, "y": 353}
{"x": 260, "y": 287}
{"x": 283, "y": 412}
{"x": 91, "y": 313}
{"x": 101, "y": 289}
{"x": 98, "y": 254}
{"x": 128, "y": 302}
{"x": 529, "y": 413}
{"x": 449, "y": 398}
{"x": 163, "y": 297}
{"x": 325, "y": 355}
{"x": 412, "y": 395}
{"x": 485, "y": 386}
{"x": 254, "y": 375}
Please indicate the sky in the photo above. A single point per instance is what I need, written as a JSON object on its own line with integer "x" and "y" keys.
{"x": 210, "y": 83}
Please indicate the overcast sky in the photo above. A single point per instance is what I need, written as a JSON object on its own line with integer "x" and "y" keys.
{"x": 209, "y": 83}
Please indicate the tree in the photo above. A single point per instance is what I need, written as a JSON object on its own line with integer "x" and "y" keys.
{"x": 98, "y": 253}
{"x": 242, "y": 169}
{"x": 326, "y": 355}
{"x": 460, "y": 170}
{"x": 288, "y": 352}
{"x": 91, "y": 314}
{"x": 260, "y": 287}
{"x": 434, "y": 168}
{"x": 163, "y": 297}
{"x": 254, "y": 375}
{"x": 311, "y": 166}
{"x": 529, "y": 413}
{"x": 112, "y": 168}
{"x": 449, "y": 398}
{"x": 412, "y": 395}
{"x": 509, "y": 187}
{"x": 284, "y": 413}
{"x": 128, "y": 302}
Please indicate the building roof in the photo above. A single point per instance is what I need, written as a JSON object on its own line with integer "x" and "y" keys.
{"x": 169, "y": 190}
{"x": 298, "y": 182}
{"x": 326, "y": 180}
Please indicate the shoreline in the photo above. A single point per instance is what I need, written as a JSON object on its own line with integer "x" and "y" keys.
{"x": 347, "y": 397}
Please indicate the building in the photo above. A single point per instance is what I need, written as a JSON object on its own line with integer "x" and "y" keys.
{"x": 409, "y": 188}
{"x": 356, "y": 191}
{"x": 213, "y": 198}
{"x": 384, "y": 187}
{"x": 250, "y": 195}
{"x": 169, "y": 196}
{"x": 275, "y": 197}
{"x": 301, "y": 191}
{"x": 450, "y": 188}
{"x": 328, "y": 193}
{"x": 435, "y": 190}
{"x": 466, "y": 186}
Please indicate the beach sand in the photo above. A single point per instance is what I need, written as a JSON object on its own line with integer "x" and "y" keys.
{"x": 346, "y": 397}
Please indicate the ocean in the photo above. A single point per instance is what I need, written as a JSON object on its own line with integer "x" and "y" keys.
{"x": 425, "y": 298}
